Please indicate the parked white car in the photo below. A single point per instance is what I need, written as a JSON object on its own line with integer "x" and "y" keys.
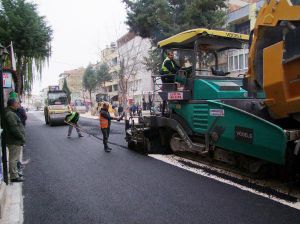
{"x": 79, "y": 106}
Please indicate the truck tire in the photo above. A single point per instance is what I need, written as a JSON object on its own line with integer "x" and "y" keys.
{"x": 147, "y": 146}
{"x": 50, "y": 121}
{"x": 46, "y": 119}
{"x": 131, "y": 145}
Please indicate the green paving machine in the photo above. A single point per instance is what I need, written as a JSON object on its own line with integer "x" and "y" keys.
{"x": 211, "y": 112}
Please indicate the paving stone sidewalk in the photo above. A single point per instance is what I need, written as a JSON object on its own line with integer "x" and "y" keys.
{"x": 88, "y": 115}
{"x": 13, "y": 208}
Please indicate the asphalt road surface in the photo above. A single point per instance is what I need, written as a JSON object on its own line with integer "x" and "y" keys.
{"x": 75, "y": 181}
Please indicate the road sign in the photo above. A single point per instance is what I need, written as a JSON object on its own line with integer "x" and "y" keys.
{"x": 7, "y": 79}
{"x": 175, "y": 96}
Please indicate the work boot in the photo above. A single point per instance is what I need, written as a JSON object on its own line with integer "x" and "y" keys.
{"x": 69, "y": 136}
{"x": 80, "y": 135}
{"x": 107, "y": 149}
{"x": 20, "y": 165}
{"x": 20, "y": 174}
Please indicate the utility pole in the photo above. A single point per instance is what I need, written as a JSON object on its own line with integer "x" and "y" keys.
{"x": 3, "y": 54}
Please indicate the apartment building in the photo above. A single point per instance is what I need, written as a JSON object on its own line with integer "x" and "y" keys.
{"x": 74, "y": 81}
{"x": 109, "y": 55}
{"x": 132, "y": 51}
{"x": 241, "y": 19}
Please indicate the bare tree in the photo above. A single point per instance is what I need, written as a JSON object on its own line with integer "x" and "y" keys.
{"x": 129, "y": 61}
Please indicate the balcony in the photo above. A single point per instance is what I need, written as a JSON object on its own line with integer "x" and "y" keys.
{"x": 242, "y": 13}
{"x": 238, "y": 14}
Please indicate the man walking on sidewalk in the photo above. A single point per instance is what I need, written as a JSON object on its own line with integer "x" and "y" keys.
{"x": 15, "y": 138}
{"x": 72, "y": 120}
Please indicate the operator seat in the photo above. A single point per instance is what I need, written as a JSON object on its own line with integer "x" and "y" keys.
{"x": 220, "y": 73}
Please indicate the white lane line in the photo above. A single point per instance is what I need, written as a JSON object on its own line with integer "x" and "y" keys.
{"x": 173, "y": 160}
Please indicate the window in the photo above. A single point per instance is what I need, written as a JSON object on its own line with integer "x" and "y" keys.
{"x": 246, "y": 60}
{"x": 241, "y": 61}
{"x": 223, "y": 67}
{"x": 295, "y": 2}
{"x": 231, "y": 64}
{"x": 242, "y": 28}
{"x": 57, "y": 98}
{"x": 116, "y": 88}
{"x": 114, "y": 75}
{"x": 238, "y": 60}
{"x": 114, "y": 61}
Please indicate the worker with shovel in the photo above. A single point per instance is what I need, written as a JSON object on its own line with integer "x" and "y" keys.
{"x": 72, "y": 120}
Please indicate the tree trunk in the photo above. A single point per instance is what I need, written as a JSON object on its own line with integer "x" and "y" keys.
{"x": 90, "y": 92}
{"x": 18, "y": 83}
{"x": 21, "y": 70}
{"x": 124, "y": 96}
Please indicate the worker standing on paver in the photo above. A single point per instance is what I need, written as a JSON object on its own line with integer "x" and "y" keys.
{"x": 72, "y": 120}
{"x": 105, "y": 122}
{"x": 169, "y": 67}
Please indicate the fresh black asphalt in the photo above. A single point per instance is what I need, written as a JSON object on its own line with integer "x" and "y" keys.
{"x": 75, "y": 181}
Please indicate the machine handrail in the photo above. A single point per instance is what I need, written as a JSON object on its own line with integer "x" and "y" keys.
{"x": 165, "y": 75}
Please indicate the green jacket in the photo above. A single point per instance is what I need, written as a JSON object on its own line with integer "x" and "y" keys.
{"x": 14, "y": 129}
{"x": 72, "y": 117}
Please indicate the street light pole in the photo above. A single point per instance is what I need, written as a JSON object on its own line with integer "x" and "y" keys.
{"x": 3, "y": 53}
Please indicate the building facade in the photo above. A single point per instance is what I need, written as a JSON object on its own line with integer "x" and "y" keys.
{"x": 74, "y": 81}
{"x": 132, "y": 51}
{"x": 109, "y": 55}
{"x": 241, "y": 19}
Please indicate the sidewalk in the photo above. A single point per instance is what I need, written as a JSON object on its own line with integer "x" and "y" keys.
{"x": 89, "y": 116}
{"x": 13, "y": 207}
{"x": 11, "y": 202}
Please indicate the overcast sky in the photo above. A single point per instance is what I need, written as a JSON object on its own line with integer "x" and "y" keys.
{"x": 81, "y": 29}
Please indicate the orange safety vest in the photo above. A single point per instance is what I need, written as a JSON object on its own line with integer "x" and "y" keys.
{"x": 103, "y": 122}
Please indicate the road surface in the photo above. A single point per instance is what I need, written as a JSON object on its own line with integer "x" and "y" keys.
{"x": 75, "y": 181}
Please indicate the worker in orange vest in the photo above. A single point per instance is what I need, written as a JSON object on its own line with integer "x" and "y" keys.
{"x": 105, "y": 121}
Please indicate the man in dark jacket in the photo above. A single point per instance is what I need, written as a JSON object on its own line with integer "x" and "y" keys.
{"x": 105, "y": 122}
{"x": 21, "y": 112}
{"x": 14, "y": 134}
{"x": 23, "y": 117}
{"x": 120, "y": 110}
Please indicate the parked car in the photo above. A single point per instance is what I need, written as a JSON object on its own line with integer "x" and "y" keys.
{"x": 79, "y": 106}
